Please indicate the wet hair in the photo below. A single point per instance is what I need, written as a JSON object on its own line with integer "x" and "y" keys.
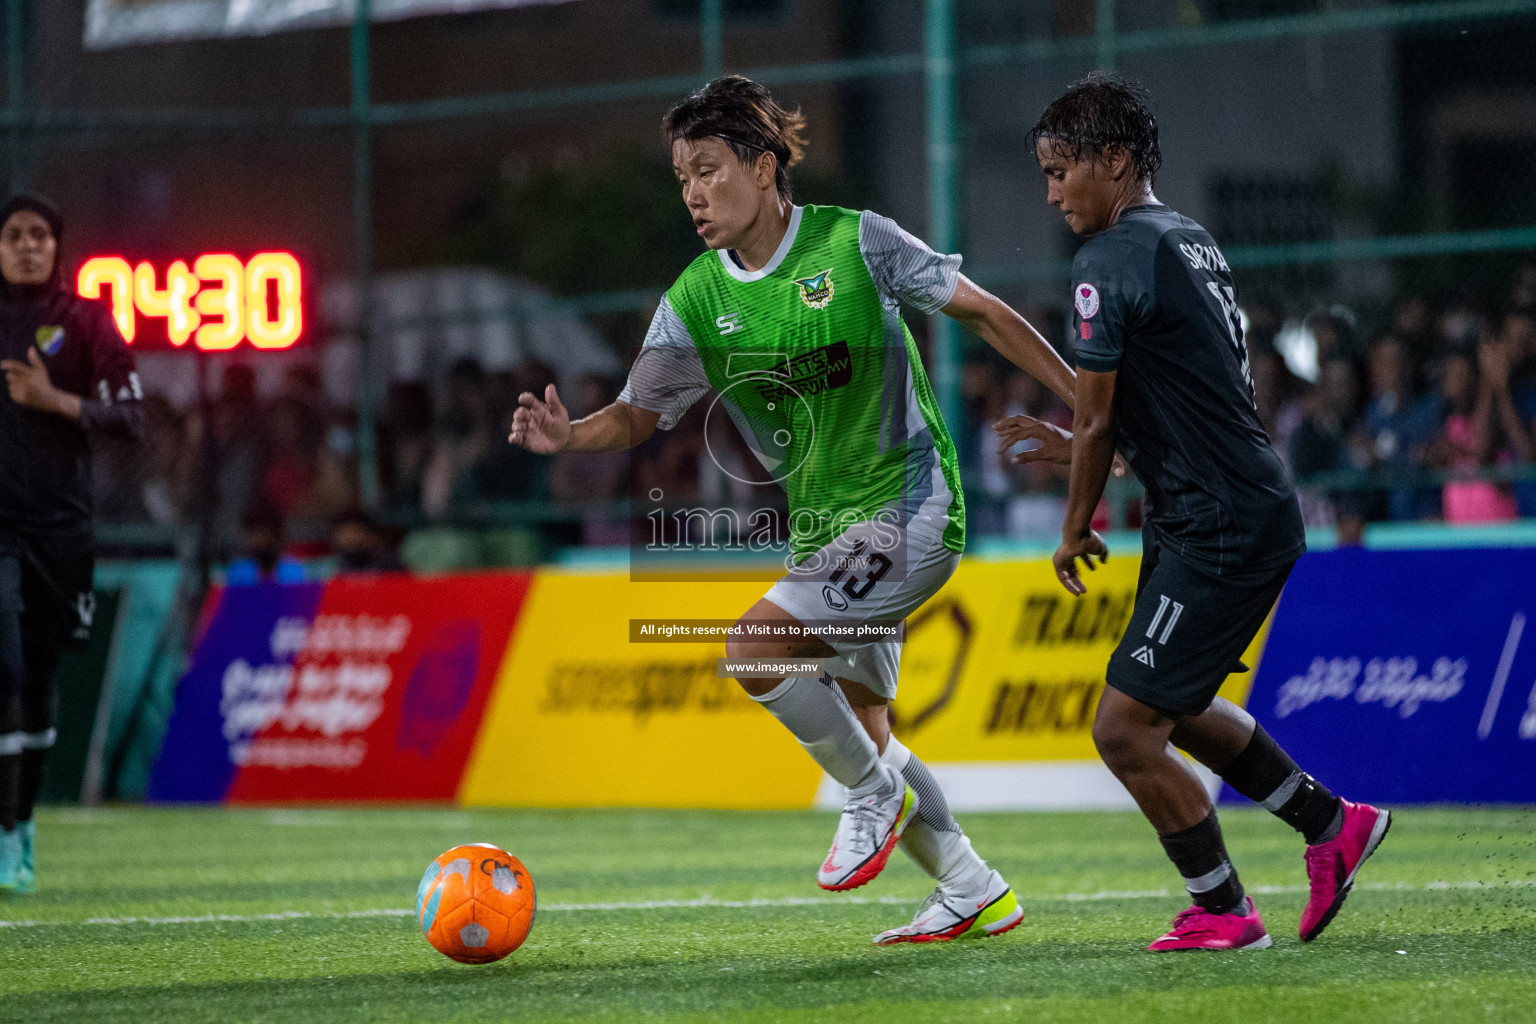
{"x": 746, "y": 117}
{"x": 1100, "y": 112}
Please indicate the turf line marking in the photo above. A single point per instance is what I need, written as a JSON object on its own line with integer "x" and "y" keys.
{"x": 710, "y": 901}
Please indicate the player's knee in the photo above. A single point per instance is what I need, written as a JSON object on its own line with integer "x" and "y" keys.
{"x": 1117, "y": 742}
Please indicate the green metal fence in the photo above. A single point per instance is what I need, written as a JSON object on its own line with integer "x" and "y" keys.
{"x": 944, "y": 62}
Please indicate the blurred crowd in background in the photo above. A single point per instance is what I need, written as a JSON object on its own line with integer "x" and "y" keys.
{"x": 1428, "y": 414}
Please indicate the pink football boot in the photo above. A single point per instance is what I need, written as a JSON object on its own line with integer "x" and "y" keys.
{"x": 1198, "y": 928}
{"x": 1332, "y": 866}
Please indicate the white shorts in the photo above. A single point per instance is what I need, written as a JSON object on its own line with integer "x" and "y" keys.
{"x": 874, "y": 571}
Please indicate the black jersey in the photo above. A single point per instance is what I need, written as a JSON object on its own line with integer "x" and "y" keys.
{"x": 45, "y": 459}
{"x": 1156, "y": 301}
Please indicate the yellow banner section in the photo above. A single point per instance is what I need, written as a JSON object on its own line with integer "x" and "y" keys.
{"x": 581, "y": 717}
{"x": 1002, "y": 665}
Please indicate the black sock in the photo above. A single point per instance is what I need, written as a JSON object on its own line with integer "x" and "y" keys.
{"x": 1201, "y": 858}
{"x": 30, "y": 782}
{"x": 10, "y": 786}
{"x": 1266, "y": 775}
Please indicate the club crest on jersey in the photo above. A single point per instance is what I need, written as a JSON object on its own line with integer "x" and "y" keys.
{"x": 816, "y": 292}
{"x": 1086, "y": 298}
{"x": 49, "y": 339}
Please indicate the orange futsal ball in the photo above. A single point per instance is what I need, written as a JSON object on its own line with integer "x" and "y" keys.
{"x": 476, "y": 904}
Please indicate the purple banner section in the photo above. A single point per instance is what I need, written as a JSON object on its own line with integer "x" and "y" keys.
{"x": 194, "y": 763}
{"x": 1407, "y": 676}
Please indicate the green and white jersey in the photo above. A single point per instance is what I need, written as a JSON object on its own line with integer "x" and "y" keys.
{"x": 811, "y": 360}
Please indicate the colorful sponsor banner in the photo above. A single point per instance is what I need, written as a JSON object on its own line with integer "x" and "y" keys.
{"x": 1407, "y": 675}
{"x": 373, "y": 688}
{"x": 1003, "y": 665}
{"x": 369, "y": 687}
{"x": 582, "y": 717}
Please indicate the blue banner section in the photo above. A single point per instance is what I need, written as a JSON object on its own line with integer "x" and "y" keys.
{"x": 1407, "y": 676}
{"x": 235, "y": 652}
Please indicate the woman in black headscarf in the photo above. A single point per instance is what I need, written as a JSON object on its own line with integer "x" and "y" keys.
{"x": 68, "y": 373}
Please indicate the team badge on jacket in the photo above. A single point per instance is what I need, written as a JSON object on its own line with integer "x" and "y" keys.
{"x": 816, "y": 291}
{"x": 49, "y": 339}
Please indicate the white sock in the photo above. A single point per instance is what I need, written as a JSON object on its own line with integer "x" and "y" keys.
{"x": 820, "y": 718}
{"x": 934, "y": 840}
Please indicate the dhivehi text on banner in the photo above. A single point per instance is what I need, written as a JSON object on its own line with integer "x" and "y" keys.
{"x": 1407, "y": 675}
{"x": 368, "y": 687}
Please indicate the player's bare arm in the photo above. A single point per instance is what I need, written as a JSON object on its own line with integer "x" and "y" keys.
{"x": 996, "y": 323}
{"x": 1055, "y": 448}
{"x": 544, "y": 426}
{"x": 1093, "y": 452}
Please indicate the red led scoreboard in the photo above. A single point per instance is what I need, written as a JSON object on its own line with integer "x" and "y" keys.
{"x": 215, "y": 303}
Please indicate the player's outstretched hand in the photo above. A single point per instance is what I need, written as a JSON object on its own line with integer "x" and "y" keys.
{"x": 541, "y": 427}
{"x": 1086, "y": 547}
{"x": 1055, "y": 443}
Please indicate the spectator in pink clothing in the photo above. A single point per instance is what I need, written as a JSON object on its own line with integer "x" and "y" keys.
{"x": 1464, "y": 447}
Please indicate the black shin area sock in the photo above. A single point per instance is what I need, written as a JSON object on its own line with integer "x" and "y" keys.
{"x": 10, "y": 786}
{"x": 932, "y": 808}
{"x": 1201, "y": 858}
{"x": 30, "y": 782}
{"x": 1266, "y": 775}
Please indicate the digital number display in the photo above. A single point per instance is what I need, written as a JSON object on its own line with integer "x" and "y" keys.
{"x": 216, "y": 303}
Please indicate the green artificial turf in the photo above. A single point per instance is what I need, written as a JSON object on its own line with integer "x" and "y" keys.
{"x": 1442, "y": 926}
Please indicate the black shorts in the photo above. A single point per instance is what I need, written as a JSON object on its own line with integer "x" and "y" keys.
{"x": 55, "y": 586}
{"x": 1188, "y": 631}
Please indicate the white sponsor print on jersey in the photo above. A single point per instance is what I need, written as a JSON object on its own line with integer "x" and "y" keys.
{"x": 1144, "y": 655}
{"x": 1086, "y": 298}
{"x": 728, "y": 322}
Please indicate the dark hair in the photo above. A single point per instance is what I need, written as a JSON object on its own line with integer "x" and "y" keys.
{"x": 746, "y": 117}
{"x": 1098, "y": 112}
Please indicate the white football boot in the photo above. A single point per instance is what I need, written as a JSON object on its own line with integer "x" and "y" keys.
{"x": 867, "y": 834}
{"x": 945, "y": 916}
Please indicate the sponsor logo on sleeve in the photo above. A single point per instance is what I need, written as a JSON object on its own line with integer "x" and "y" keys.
{"x": 1086, "y": 298}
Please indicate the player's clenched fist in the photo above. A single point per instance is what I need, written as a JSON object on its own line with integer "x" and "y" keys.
{"x": 541, "y": 427}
